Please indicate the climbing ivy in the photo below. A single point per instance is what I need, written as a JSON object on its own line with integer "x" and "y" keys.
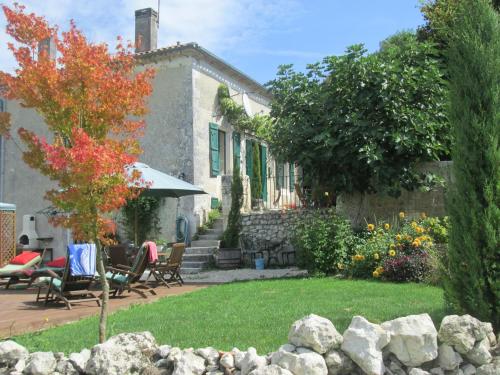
{"x": 148, "y": 221}
{"x": 236, "y": 115}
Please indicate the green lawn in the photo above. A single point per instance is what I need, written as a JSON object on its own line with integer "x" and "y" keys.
{"x": 257, "y": 313}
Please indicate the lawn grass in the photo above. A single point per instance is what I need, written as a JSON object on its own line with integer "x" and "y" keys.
{"x": 257, "y": 313}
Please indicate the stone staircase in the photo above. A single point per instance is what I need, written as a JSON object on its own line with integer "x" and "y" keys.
{"x": 197, "y": 257}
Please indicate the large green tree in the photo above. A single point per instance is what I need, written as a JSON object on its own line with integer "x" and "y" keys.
{"x": 473, "y": 282}
{"x": 362, "y": 122}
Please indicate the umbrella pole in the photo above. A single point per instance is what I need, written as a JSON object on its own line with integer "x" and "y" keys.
{"x": 135, "y": 223}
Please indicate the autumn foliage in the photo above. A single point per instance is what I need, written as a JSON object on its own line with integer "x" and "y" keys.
{"x": 91, "y": 102}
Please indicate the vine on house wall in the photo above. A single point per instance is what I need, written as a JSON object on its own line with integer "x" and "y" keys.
{"x": 236, "y": 115}
{"x": 145, "y": 210}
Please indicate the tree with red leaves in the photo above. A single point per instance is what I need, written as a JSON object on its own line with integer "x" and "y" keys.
{"x": 91, "y": 102}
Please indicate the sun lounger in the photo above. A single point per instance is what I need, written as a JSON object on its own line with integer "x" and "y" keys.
{"x": 13, "y": 273}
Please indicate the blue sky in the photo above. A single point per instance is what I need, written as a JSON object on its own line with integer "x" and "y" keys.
{"x": 253, "y": 35}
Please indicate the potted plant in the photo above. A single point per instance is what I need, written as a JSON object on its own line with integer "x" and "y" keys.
{"x": 229, "y": 255}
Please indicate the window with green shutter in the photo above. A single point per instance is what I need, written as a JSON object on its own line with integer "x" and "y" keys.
{"x": 236, "y": 150}
{"x": 248, "y": 157}
{"x": 263, "y": 170}
{"x": 214, "y": 149}
{"x": 291, "y": 174}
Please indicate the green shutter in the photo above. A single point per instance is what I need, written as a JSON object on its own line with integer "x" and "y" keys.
{"x": 214, "y": 150}
{"x": 2, "y": 105}
{"x": 248, "y": 153}
{"x": 236, "y": 151}
{"x": 292, "y": 176}
{"x": 263, "y": 169}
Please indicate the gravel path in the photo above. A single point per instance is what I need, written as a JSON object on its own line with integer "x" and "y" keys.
{"x": 227, "y": 276}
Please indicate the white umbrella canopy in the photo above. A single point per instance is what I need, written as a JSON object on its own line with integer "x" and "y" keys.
{"x": 159, "y": 184}
{"x": 162, "y": 184}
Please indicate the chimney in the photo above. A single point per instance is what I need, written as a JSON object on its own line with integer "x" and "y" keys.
{"x": 146, "y": 30}
{"x": 48, "y": 46}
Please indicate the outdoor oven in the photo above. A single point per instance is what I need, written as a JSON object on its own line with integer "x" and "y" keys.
{"x": 28, "y": 238}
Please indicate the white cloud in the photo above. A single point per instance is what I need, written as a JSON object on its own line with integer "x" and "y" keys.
{"x": 218, "y": 25}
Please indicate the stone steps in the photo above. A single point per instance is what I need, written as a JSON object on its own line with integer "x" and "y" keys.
{"x": 197, "y": 257}
{"x": 205, "y": 243}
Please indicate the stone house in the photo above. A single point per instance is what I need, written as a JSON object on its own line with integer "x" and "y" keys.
{"x": 185, "y": 135}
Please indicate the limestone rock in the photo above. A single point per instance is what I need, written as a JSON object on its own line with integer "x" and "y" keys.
{"x": 188, "y": 363}
{"x": 338, "y": 363}
{"x": 480, "y": 354}
{"x": 79, "y": 360}
{"x": 363, "y": 343}
{"x": 307, "y": 362}
{"x": 462, "y": 332}
{"x": 238, "y": 357}
{"x": 126, "y": 353}
{"x": 448, "y": 358}
{"x": 316, "y": 333}
{"x": 210, "y": 355}
{"x": 396, "y": 367}
{"x": 163, "y": 351}
{"x": 11, "y": 352}
{"x": 252, "y": 361}
{"x": 413, "y": 339}
{"x": 417, "y": 371}
{"x": 492, "y": 368}
{"x": 227, "y": 361}
{"x": 468, "y": 369}
{"x": 41, "y": 363}
{"x": 437, "y": 371}
{"x": 271, "y": 370}
{"x": 64, "y": 366}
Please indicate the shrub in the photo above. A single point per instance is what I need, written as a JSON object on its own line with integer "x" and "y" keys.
{"x": 231, "y": 235}
{"x": 323, "y": 243}
{"x": 402, "y": 251}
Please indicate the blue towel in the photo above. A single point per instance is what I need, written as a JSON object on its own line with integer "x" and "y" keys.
{"x": 82, "y": 259}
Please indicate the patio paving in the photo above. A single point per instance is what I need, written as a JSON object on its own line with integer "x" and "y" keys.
{"x": 19, "y": 313}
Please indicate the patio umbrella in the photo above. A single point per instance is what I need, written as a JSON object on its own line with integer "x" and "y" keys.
{"x": 162, "y": 185}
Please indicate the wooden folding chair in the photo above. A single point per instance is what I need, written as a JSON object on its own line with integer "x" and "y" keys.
{"x": 129, "y": 278}
{"x": 168, "y": 273}
{"x": 71, "y": 287}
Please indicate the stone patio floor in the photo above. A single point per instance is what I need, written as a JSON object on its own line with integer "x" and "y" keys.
{"x": 243, "y": 274}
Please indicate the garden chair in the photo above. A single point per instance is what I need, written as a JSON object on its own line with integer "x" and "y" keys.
{"x": 129, "y": 278}
{"x": 168, "y": 273}
{"x": 117, "y": 256}
{"x": 19, "y": 268}
{"x": 78, "y": 276}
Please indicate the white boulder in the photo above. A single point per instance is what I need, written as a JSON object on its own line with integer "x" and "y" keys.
{"x": 413, "y": 339}
{"x": 79, "y": 360}
{"x": 480, "y": 354}
{"x": 468, "y": 369}
{"x": 316, "y": 333}
{"x": 271, "y": 370}
{"x": 304, "y": 362}
{"x": 338, "y": 363}
{"x": 126, "y": 353}
{"x": 462, "y": 332}
{"x": 227, "y": 361}
{"x": 448, "y": 359}
{"x": 41, "y": 363}
{"x": 252, "y": 361}
{"x": 11, "y": 352}
{"x": 417, "y": 371}
{"x": 188, "y": 363}
{"x": 363, "y": 343}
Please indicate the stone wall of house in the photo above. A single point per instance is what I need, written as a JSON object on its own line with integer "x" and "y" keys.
{"x": 408, "y": 345}
{"x": 371, "y": 207}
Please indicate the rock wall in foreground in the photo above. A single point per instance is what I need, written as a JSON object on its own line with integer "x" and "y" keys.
{"x": 409, "y": 345}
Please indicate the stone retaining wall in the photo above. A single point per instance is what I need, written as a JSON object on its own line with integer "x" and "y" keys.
{"x": 359, "y": 208}
{"x": 273, "y": 227}
{"x": 409, "y": 345}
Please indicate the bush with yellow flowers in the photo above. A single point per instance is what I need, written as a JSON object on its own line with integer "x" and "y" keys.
{"x": 400, "y": 251}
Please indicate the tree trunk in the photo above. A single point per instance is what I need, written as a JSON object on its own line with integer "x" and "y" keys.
{"x": 105, "y": 293}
